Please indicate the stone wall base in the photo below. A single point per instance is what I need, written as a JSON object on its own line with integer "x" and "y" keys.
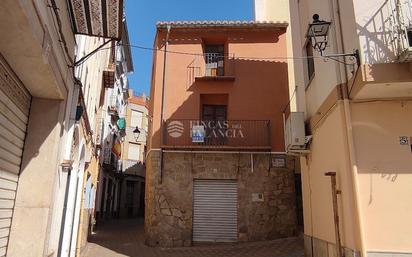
{"x": 169, "y": 195}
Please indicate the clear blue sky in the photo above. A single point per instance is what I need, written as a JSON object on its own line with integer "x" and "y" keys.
{"x": 142, "y": 16}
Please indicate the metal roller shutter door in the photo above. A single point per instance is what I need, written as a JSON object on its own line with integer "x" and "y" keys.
{"x": 215, "y": 211}
{"x": 14, "y": 113}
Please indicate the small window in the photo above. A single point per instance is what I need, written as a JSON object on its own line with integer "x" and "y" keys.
{"x": 134, "y": 152}
{"x": 310, "y": 61}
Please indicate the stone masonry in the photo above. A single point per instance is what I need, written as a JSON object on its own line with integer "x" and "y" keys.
{"x": 169, "y": 196}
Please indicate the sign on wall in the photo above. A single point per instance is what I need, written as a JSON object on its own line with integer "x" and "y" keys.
{"x": 198, "y": 134}
{"x": 403, "y": 140}
{"x": 278, "y": 162}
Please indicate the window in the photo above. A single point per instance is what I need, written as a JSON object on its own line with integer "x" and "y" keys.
{"x": 310, "y": 61}
{"x": 136, "y": 119}
{"x": 214, "y": 112}
{"x": 215, "y": 59}
{"x": 215, "y": 119}
{"x": 134, "y": 152}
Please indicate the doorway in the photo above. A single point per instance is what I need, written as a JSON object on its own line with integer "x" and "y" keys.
{"x": 215, "y": 202}
{"x": 130, "y": 188}
{"x": 215, "y": 119}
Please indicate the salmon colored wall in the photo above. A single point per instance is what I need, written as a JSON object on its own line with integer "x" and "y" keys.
{"x": 260, "y": 89}
{"x": 385, "y": 173}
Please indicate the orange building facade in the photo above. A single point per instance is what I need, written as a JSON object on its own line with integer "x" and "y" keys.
{"x": 216, "y": 168}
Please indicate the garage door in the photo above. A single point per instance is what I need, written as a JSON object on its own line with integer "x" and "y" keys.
{"x": 14, "y": 112}
{"x": 215, "y": 211}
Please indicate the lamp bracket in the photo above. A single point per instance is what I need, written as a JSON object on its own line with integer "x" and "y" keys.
{"x": 354, "y": 58}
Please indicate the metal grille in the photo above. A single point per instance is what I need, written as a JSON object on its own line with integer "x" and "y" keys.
{"x": 219, "y": 134}
{"x": 215, "y": 211}
{"x": 14, "y": 113}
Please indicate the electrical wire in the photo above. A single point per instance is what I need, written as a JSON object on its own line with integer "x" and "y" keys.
{"x": 290, "y": 100}
{"x": 229, "y": 56}
{"x": 62, "y": 40}
{"x": 84, "y": 58}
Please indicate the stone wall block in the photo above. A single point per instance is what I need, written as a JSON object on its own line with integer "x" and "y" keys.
{"x": 169, "y": 205}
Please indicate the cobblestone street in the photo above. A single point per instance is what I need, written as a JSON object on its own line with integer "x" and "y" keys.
{"x": 120, "y": 238}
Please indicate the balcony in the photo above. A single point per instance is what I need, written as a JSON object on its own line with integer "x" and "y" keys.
{"x": 108, "y": 76}
{"x": 98, "y": 130}
{"x": 212, "y": 67}
{"x": 400, "y": 22}
{"x": 113, "y": 107}
{"x": 221, "y": 135}
{"x": 110, "y": 161}
{"x": 112, "y": 110}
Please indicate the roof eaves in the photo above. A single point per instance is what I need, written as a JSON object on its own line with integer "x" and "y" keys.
{"x": 221, "y": 24}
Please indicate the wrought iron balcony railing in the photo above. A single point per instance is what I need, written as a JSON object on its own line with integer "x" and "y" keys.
{"x": 110, "y": 161}
{"x": 212, "y": 66}
{"x": 109, "y": 76}
{"x": 401, "y": 21}
{"x": 246, "y": 134}
{"x": 389, "y": 30}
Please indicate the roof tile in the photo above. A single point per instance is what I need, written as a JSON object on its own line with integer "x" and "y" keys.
{"x": 222, "y": 24}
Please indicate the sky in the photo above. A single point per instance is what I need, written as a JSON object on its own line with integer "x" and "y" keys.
{"x": 142, "y": 16}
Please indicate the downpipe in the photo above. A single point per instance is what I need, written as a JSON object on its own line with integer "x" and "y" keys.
{"x": 163, "y": 101}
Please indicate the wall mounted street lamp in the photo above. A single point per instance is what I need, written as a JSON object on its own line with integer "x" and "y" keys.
{"x": 136, "y": 133}
{"x": 318, "y": 34}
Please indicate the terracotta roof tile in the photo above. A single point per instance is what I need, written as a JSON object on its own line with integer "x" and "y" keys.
{"x": 222, "y": 24}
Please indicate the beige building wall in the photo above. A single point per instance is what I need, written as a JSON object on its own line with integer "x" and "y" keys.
{"x": 34, "y": 201}
{"x": 33, "y": 50}
{"x": 360, "y": 140}
{"x": 385, "y": 173}
{"x": 141, "y": 107}
{"x": 133, "y": 167}
{"x": 328, "y": 73}
{"x": 329, "y": 154}
{"x": 90, "y": 74}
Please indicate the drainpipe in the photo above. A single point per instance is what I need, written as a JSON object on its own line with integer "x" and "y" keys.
{"x": 163, "y": 101}
{"x": 351, "y": 143}
{"x": 335, "y": 193}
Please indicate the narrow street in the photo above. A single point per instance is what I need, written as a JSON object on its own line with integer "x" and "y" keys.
{"x": 120, "y": 238}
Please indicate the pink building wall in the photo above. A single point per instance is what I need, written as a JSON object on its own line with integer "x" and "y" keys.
{"x": 259, "y": 91}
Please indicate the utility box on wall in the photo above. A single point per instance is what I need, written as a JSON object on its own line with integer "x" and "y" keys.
{"x": 295, "y": 131}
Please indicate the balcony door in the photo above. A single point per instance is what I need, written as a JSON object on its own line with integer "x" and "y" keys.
{"x": 214, "y": 57}
{"x": 215, "y": 118}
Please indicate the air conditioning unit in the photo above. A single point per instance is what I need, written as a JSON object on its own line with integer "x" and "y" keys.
{"x": 295, "y": 131}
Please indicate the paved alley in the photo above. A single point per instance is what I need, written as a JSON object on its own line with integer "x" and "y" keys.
{"x": 120, "y": 238}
